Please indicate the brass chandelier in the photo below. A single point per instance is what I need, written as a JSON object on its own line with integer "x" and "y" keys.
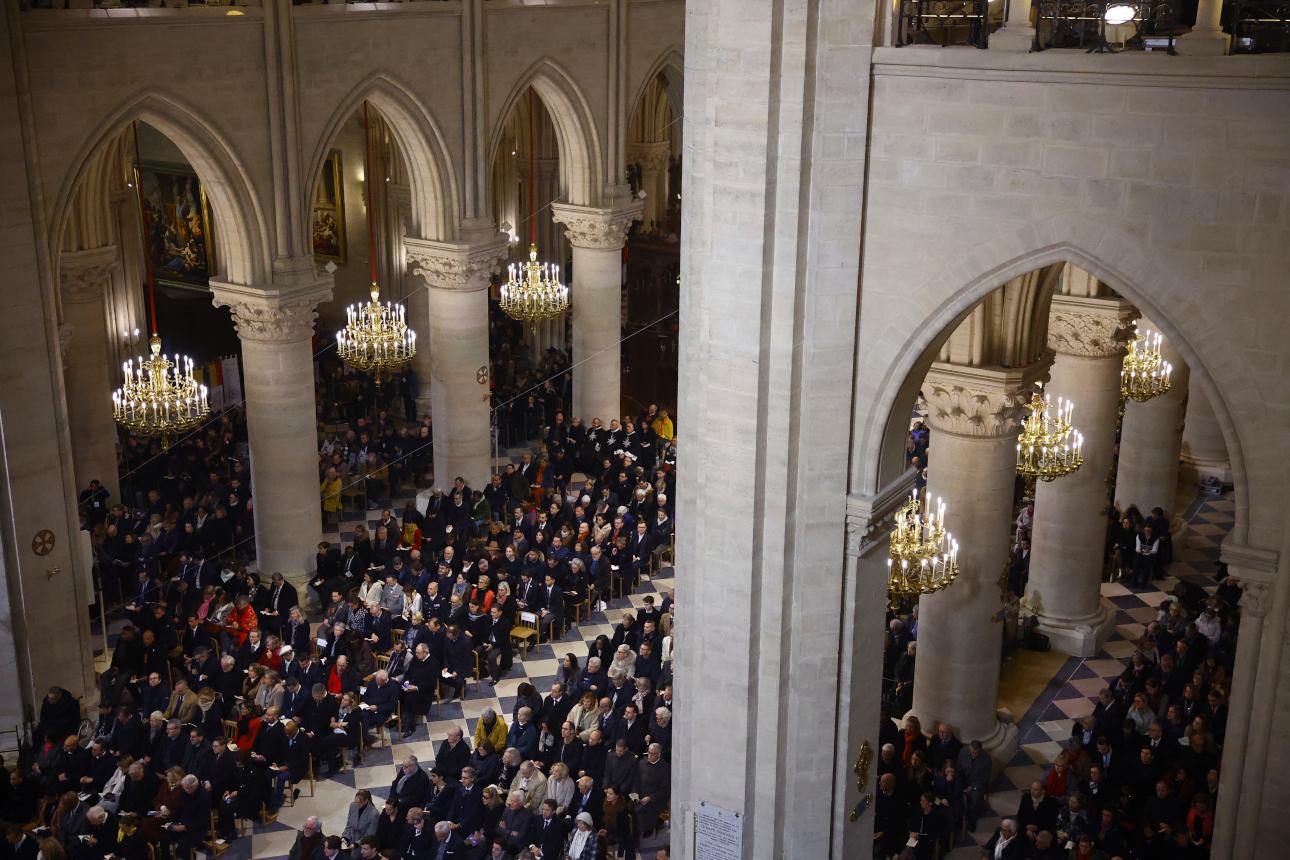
{"x": 1145, "y": 373}
{"x": 922, "y": 557}
{"x": 376, "y": 338}
{"x": 1048, "y": 447}
{"x": 533, "y": 292}
{"x": 160, "y": 396}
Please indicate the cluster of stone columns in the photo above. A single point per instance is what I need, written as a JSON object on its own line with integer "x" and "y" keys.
{"x": 276, "y": 330}
{"x": 975, "y": 414}
{"x": 597, "y": 236}
{"x": 1088, "y": 335}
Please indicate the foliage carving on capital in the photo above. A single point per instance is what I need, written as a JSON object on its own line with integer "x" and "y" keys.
{"x": 465, "y": 270}
{"x": 597, "y": 229}
{"x": 1256, "y": 597}
{"x": 1089, "y": 335}
{"x": 968, "y": 411}
{"x": 270, "y": 319}
{"x": 83, "y": 275}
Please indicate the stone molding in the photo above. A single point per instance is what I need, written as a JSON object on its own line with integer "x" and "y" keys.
{"x": 870, "y": 517}
{"x": 595, "y": 228}
{"x": 271, "y": 316}
{"x": 1090, "y": 327}
{"x": 83, "y": 275}
{"x": 981, "y": 402}
{"x": 455, "y": 266}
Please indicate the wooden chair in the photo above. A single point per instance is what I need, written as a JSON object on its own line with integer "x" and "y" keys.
{"x": 230, "y": 730}
{"x": 582, "y": 609}
{"x": 291, "y": 786}
{"x": 352, "y": 493}
{"x": 525, "y": 632}
{"x": 211, "y": 843}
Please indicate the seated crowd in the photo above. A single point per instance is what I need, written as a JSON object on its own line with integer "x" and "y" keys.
{"x": 225, "y": 695}
{"x": 1138, "y": 776}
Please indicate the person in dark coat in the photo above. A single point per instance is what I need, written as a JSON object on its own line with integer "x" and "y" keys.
{"x": 60, "y": 716}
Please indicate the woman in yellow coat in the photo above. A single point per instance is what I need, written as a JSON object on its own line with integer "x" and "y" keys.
{"x": 491, "y": 728}
{"x": 662, "y": 426}
{"x": 330, "y": 490}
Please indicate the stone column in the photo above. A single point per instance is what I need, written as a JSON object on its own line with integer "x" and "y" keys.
{"x": 1017, "y": 33}
{"x": 276, "y": 329}
{"x": 458, "y": 275}
{"x": 1204, "y": 450}
{"x": 84, "y": 277}
{"x": 975, "y": 414}
{"x": 1150, "y": 442}
{"x": 422, "y": 363}
{"x": 597, "y": 237}
{"x": 1207, "y": 37}
{"x": 1069, "y": 530}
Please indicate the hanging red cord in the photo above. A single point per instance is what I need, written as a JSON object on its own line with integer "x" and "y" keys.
{"x": 143, "y": 221}
{"x": 367, "y": 189}
{"x": 532, "y": 177}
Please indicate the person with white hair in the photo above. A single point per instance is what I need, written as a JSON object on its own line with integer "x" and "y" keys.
{"x": 624, "y": 661}
{"x": 309, "y": 841}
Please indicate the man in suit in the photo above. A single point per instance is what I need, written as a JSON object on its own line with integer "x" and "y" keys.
{"x": 410, "y": 786}
{"x": 458, "y": 661}
{"x": 587, "y": 800}
{"x": 974, "y": 766}
{"x": 467, "y": 814}
{"x": 182, "y": 703}
{"x": 220, "y": 779}
{"x": 548, "y": 831}
{"x": 192, "y": 820}
{"x": 418, "y": 841}
{"x": 419, "y": 684}
{"x": 449, "y": 844}
{"x": 943, "y": 747}
{"x": 381, "y": 698}
{"x": 453, "y": 755}
{"x": 631, "y": 728}
{"x": 495, "y": 645}
{"x": 551, "y": 615}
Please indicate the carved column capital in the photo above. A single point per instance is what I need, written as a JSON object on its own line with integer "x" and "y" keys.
{"x": 1256, "y": 597}
{"x": 464, "y": 267}
{"x": 271, "y": 316}
{"x": 595, "y": 228}
{"x": 83, "y": 275}
{"x": 650, "y": 154}
{"x": 1090, "y": 327}
{"x": 984, "y": 402}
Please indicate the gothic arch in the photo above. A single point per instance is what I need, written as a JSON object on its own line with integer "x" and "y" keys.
{"x": 582, "y": 172}
{"x": 241, "y": 233}
{"x": 435, "y": 192}
{"x": 671, "y": 65}
{"x": 1119, "y": 262}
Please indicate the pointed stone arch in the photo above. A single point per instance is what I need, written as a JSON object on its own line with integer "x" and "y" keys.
{"x": 582, "y": 171}
{"x": 1117, "y": 262}
{"x": 671, "y": 65}
{"x": 436, "y": 204}
{"x": 241, "y": 231}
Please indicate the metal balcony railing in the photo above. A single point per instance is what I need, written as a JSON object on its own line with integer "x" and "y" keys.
{"x": 1086, "y": 24}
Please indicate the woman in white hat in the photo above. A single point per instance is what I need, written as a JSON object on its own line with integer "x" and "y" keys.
{"x": 582, "y": 841}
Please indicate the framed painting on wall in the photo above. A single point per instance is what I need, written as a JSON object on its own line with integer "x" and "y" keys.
{"x": 328, "y": 217}
{"x": 179, "y": 226}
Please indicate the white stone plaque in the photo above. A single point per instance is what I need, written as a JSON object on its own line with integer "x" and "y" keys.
{"x": 718, "y": 833}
